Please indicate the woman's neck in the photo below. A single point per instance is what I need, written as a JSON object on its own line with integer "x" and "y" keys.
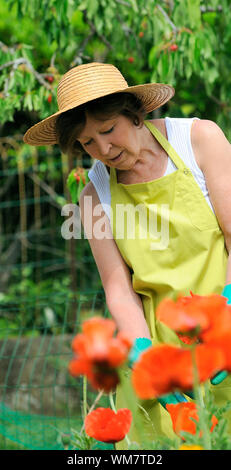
{"x": 153, "y": 161}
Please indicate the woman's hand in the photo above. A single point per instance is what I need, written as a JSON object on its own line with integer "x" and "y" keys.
{"x": 139, "y": 346}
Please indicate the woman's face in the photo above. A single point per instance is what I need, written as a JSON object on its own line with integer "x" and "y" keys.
{"x": 115, "y": 141}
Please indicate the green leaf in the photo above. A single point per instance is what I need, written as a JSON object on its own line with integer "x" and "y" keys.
{"x": 194, "y": 13}
{"x": 75, "y": 187}
{"x": 197, "y": 55}
{"x": 152, "y": 56}
{"x": 78, "y": 22}
{"x": 92, "y": 8}
{"x": 28, "y": 102}
{"x": 134, "y": 5}
{"x": 188, "y": 108}
{"x": 210, "y": 17}
{"x": 99, "y": 23}
{"x": 163, "y": 67}
{"x": 212, "y": 74}
{"x": 81, "y": 441}
{"x": 188, "y": 71}
{"x": 73, "y": 191}
{"x": 191, "y": 49}
{"x": 83, "y": 5}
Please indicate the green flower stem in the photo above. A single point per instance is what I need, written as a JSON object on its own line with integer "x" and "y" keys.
{"x": 112, "y": 402}
{"x": 206, "y": 436}
{"x": 92, "y": 406}
{"x": 96, "y": 401}
{"x": 114, "y": 409}
{"x": 84, "y": 397}
{"x": 132, "y": 400}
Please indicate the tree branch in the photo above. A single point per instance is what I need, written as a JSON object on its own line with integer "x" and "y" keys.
{"x": 220, "y": 103}
{"x": 16, "y": 62}
{"x": 78, "y": 58}
{"x": 175, "y": 29}
{"x": 46, "y": 188}
{"x": 6, "y": 48}
{"x": 93, "y": 29}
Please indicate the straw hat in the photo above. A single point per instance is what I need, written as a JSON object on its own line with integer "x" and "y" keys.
{"x": 88, "y": 82}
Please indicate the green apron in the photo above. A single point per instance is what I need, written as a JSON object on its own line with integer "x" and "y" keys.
{"x": 183, "y": 251}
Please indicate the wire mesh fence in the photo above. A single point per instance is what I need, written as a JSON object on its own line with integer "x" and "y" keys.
{"x": 39, "y": 401}
{"x": 48, "y": 287}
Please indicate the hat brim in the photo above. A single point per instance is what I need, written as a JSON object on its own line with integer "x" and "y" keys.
{"x": 152, "y": 95}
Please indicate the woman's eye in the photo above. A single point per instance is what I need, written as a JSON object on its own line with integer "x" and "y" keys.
{"x": 110, "y": 130}
{"x": 105, "y": 132}
{"x": 87, "y": 143}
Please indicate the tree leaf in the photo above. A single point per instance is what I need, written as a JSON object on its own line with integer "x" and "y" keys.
{"x": 194, "y": 13}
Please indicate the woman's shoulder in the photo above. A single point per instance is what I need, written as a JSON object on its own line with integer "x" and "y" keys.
{"x": 166, "y": 125}
{"x": 160, "y": 124}
{"x": 207, "y": 137}
{"x": 205, "y": 132}
{"x": 204, "y": 128}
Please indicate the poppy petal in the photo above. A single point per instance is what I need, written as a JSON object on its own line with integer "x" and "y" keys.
{"x": 98, "y": 353}
{"x": 105, "y": 425}
{"x": 165, "y": 368}
{"x": 183, "y": 416}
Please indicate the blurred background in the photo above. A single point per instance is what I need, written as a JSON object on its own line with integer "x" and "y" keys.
{"x": 49, "y": 285}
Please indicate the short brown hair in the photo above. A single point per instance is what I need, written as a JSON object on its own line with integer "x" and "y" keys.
{"x": 70, "y": 124}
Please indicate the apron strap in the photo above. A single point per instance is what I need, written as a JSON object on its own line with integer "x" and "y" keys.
{"x": 166, "y": 146}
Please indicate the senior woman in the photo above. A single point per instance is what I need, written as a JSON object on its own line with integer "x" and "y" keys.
{"x": 171, "y": 177}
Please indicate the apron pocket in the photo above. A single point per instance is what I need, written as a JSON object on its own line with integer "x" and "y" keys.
{"x": 199, "y": 212}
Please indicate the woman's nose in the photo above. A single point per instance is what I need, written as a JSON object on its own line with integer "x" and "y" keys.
{"x": 104, "y": 146}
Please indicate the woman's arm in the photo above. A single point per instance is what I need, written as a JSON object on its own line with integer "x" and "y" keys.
{"x": 213, "y": 154}
{"x": 123, "y": 303}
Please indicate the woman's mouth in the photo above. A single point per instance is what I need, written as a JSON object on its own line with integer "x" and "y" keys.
{"x": 116, "y": 159}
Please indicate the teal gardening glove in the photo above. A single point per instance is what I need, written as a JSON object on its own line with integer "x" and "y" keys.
{"x": 227, "y": 293}
{"x": 139, "y": 346}
{"x": 218, "y": 378}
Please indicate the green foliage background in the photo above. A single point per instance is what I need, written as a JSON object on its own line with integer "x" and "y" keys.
{"x": 48, "y": 37}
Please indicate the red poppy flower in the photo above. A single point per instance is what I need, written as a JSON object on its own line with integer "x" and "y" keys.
{"x": 224, "y": 344}
{"x": 219, "y": 315}
{"x": 182, "y": 415}
{"x": 182, "y": 315}
{"x": 98, "y": 353}
{"x": 165, "y": 368}
{"x": 107, "y": 426}
{"x": 206, "y": 317}
{"x": 100, "y": 375}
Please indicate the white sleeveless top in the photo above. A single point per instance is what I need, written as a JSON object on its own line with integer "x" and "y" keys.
{"x": 179, "y": 136}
